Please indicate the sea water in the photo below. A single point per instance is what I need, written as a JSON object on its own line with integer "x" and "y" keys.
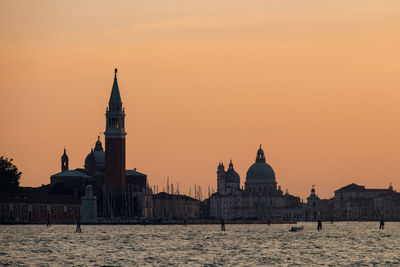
{"x": 340, "y": 243}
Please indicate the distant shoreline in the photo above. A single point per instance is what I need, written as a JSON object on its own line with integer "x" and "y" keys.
{"x": 182, "y": 223}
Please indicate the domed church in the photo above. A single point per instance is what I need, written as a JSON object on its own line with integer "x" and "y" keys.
{"x": 103, "y": 169}
{"x": 260, "y": 199}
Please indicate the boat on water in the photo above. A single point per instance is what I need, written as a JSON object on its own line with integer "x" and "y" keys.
{"x": 296, "y": 228}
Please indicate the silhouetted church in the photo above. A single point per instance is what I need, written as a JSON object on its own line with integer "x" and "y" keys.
{"x": 103, "y": 169}
{"x": 260, "y": 199}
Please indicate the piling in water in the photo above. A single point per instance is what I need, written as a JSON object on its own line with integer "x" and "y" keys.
{"x": 319, "y": 226}
{"x": 78, "y": 227}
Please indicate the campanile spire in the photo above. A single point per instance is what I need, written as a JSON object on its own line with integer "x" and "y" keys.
{"x": 115, "y": 139}
{"x": 115, "y": 97}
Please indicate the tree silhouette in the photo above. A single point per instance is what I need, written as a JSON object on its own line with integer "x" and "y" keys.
{"x": 9, "y": 175}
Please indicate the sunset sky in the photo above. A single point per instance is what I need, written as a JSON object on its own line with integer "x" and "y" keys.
{"x": 317, "y": 83}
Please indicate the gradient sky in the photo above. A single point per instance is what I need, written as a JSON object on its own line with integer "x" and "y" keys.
{"x": 316, "y": 82}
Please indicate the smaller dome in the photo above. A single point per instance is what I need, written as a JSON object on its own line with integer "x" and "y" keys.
{"x": 231, "y": 175}
{"x": 100, "y": 157}
{"x": 97, "y": 155}
{"x": 90, "y": 160}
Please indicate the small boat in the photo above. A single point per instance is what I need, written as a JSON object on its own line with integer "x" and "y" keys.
{"x": 296, "y": 229}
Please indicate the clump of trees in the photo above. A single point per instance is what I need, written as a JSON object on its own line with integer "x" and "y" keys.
{"x": 9, "y": 175}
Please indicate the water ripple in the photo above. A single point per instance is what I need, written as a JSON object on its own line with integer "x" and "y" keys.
{"x": 352, "y": 244}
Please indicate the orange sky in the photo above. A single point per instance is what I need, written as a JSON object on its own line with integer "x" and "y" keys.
{"x": 316, "y": 82}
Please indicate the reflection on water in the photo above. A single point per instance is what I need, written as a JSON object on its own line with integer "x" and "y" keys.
{"x": 337, "y": 244}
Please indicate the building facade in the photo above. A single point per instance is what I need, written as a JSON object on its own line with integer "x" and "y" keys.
{"x": 39, "y": 208}
{"x": 175, "y": 207}
{"x": 355, "y": 202}
{"x": 261, "y": 199}
{"x": 314, "y": 209}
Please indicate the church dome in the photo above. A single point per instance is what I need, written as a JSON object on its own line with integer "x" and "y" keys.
{"x": 231, "y": 175}
{"x": 260, "y": 169}
{"x": 97, "y": 155}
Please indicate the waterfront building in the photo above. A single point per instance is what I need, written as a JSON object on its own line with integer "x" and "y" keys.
{"x": 175, "y": 207}
{"x": 314, "y": 209}
{"x": 38, "y": 208}
{"x": 387, "y": 205}
{"x": 119, "y": 191}
{"x": 355, "y": 202}
{"x": 261, "y": 199}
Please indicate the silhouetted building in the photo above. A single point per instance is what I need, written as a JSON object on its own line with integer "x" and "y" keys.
{"x": 260, "y": 199}
{"x": 175, "y": 207}
{"x": 355, "y": 202}
{"x": 313, "y": 207}
{"x": 38, "y": 208}
{"x": 388, "y": 205}
{"x": 119, "y": 192}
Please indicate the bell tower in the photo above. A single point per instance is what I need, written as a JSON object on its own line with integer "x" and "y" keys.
{"x": 221, "y": 178}
{"x": 115, "y": 139}
{"x": 64, "y": 161}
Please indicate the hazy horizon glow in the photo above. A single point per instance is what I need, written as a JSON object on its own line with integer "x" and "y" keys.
{"x": 317, "y": 83}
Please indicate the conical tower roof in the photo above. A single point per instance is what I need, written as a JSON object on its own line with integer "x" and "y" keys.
{"x": 115, "y": 97}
